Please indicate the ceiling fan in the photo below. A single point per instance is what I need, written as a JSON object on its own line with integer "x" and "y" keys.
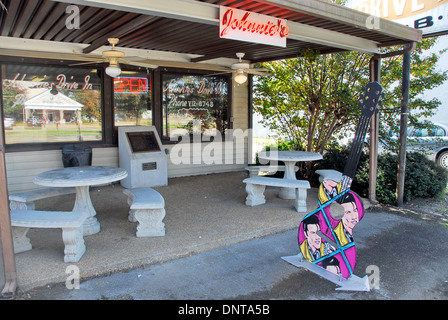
{"x": 241, "y": 69}
{"x": 114, "y": 57}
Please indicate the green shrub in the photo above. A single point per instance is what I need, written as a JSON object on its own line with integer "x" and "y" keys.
{"x": 423, "y": 177}
{"x": 336, "y": 159}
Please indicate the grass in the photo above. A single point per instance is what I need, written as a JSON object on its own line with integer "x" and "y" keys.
{"x": 51, "y": 133}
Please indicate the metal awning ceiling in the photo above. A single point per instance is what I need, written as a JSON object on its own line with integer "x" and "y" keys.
{"x": 191, "y": 27}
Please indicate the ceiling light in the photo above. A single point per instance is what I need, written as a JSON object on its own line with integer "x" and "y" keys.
{"x": 113, "y": 70}
{"x": 240, "y": 77}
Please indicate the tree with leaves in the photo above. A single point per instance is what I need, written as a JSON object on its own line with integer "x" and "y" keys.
{"x": 312, "y": 100}
{"x": 309, "y": 100}
{"x": 424, "y": 76}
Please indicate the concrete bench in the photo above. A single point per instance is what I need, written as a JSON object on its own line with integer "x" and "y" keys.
{"x": 255, "y": 187}
{"x": 71, "y": 224}
{"x": 255, "y": 171}
{"x": 147, "y": 207}
{"x": 331, "y": 174}
{"x": 25, "y": 200}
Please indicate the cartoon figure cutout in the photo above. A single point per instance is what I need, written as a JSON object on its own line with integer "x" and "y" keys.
{"x": 324, "y": 240}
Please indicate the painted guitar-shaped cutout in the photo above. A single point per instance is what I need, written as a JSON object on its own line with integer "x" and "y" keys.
{"x": 323, "y": 240}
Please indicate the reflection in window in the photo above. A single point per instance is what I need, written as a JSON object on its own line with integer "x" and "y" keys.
{"x": 192, "y": 100}
{"x": 50, "y": 104}
{"x": 132, "y": 101}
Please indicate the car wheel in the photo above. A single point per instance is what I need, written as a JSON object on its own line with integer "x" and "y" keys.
{"x": 443, "y": 159}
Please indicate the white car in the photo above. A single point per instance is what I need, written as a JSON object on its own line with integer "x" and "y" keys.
{"x": 434, "y": 142}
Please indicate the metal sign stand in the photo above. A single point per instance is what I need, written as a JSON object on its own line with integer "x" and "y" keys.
{"x": 353, "y": 283}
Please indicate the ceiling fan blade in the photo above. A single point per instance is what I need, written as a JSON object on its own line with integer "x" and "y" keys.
{"x": 135, "y": 58}
{"x": 259, "y": 73}
{"x": 260, "y": 69}
{"x": 139, "y": 64}
{"x": 84, "y": 63}
{"x": 217, "y": 73}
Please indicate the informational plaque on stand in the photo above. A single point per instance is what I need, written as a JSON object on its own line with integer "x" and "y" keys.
{"x": 143, "y": 141}
{"x": 141, "y": 154}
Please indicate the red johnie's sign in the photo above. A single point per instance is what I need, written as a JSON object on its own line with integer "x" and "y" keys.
{"x": 252, "y": 27}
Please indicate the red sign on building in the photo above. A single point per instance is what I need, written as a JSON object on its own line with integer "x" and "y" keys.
{"x": 131, "y": 85}
{"x": 252, "y": 27}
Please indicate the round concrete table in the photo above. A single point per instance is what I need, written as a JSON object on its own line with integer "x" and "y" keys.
{"x": 290, "y": 158}
{"x": 82, "y": 178}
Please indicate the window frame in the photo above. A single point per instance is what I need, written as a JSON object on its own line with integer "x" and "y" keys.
{"x": 189, "y": 72}
{"x": 39, "y": 146}
{"x": 150, "y": 75}
{"x": 108, "y": 128}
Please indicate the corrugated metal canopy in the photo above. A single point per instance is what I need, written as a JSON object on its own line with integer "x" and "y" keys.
{"x": 192, "y": 27}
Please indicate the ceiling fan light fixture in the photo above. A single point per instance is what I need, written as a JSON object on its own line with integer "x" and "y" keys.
{"x": 113, "y": 70}
{"x": 240, "y": 77}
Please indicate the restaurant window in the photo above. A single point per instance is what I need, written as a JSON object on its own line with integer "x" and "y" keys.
{"x": 194, "y": 100}
{"x": 44, "y": 104}
{"x": 132, "y": 100}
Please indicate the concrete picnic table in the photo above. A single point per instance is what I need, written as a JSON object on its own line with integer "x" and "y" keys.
{"x": 290, "y": 158}
{"x": 82, "y": 178}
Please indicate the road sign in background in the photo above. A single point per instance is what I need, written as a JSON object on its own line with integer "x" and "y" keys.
{"x": 430, "y": 16}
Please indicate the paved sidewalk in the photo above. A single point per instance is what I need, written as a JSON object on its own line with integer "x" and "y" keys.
{"x": 202, "y": 213}
{"x": 410, "y": 254}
